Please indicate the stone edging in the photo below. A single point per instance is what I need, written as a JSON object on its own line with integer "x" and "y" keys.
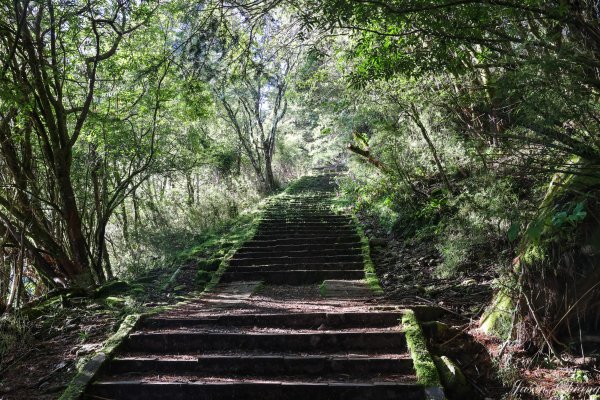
{"x": 86, "y": 374}
{"x": 427, "y": 373}
{"x": 369, "y": 267}
{"x": 81, "y": 381}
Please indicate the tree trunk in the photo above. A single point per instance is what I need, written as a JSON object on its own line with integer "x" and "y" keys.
{"x": 17, "y": 278}
{"x": 367, "y": 154}
{"x": 80, "y": 267}
{"x": 414, "y": 114}
{"x": 270, "y": 183}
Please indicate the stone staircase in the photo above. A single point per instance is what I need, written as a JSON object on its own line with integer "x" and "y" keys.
{"x": 300, "y": 240}
{"x": 265, "y": 332}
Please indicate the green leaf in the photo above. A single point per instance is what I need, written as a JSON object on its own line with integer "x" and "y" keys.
{"x": 578, "y": 214}
{"x": 535, "y": 230}
{"x": 513, "y": 231}
{"x": 559, "y": 218}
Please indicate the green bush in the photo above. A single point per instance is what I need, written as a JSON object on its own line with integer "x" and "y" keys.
{"x": 478, "y": 226}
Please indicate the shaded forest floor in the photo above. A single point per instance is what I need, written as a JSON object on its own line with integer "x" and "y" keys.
{"x": 47, "y": 343}
{"x": 494, "y": 370}
{"x": 43, "y": 344}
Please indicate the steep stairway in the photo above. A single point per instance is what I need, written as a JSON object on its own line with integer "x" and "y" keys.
{"x": 300, "y": 240}
{"x": 266, "y": 332}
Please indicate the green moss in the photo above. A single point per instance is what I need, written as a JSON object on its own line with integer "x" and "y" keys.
{"x": 435, "y": 328}
{"x": 212, "y": 264}
{"x": 239, "y": 232}
{"x": 323, "y": 289}
{"x": 497, "y": 318}
{"x": 84, "y": 376}
{"x": 340, "y": 205}
{"x": 427, "y": 374}
{"x": 171, "y": 281}
{"x": 370, "y": 273}
{"x": 111, "y": 288}
{"x": 244, "y": 230}
{"x": 116, "y": 302}
{"x": 258, "y": 288}
{"x": 547, "y": 237}
{"x": 453, "y": 379}
{"x": 203, "y": 277}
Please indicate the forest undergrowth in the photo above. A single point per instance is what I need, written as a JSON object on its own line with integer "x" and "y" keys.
{"x": 44, "y": 344}
{"x": 449, "y": 252}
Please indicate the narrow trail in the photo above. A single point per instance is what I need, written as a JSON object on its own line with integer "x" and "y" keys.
{"x": 291, "y": 319}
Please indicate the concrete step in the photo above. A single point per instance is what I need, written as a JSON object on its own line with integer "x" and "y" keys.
{"x": 299, "y": 212}
{"x": 296, "y": 320}
{"x": 293, "y": 277}
{"x": 261, "y": 365}
{"x": 190, "y": 341}
{"x": 307, "y": 253}
{"x": 303, "y": 241}
{"x": 308, "y": 229}
{"x": 250, "y": 260}
{"x": 347, "y": 266}
{"x": 325, "y": 219}
{"x": 256, "y": 390}
{"x": 297, "y": 248}
{"x": 305, "y": 232}
{"x": 304, "y": 237}
{"x": 303, "y": 219}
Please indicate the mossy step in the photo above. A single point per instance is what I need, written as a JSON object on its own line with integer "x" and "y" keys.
{"x": 304, "y": 224}
{"x": 301, "y": 236}
{"x": 296, "y": 206}
{"x": 311, "y": 206}
{"x": 309, "y": 220}
{"x": 320, "y": 252}
{"x": 308, "y": 230}
{"x": 296, "y": 212}
{"x": 266, "y": 241}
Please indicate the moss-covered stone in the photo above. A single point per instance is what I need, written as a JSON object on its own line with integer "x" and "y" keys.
{"x": 497, "y": 317}
{"x": 428, "y": 313}
{"x": 211, "y": 264}
{"x": 86, "y": 374}
{"x": 111, "y": 288}
{"x": 435, "y": 328}
{"x": 203, "y": 277}
{"x": 370, "y": 272}
{"x": 426, "y": 371}
{"x": 116, "y": 302}
{"x": 452, "y": 378}
{"x": 323, "y": 289}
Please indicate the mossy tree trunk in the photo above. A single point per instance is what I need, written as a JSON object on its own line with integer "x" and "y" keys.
{"x": 549, "y": 297}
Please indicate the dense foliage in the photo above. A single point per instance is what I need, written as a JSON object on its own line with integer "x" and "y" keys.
{"x": 469, "y": 110}
{"x": 128, "y": 128}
